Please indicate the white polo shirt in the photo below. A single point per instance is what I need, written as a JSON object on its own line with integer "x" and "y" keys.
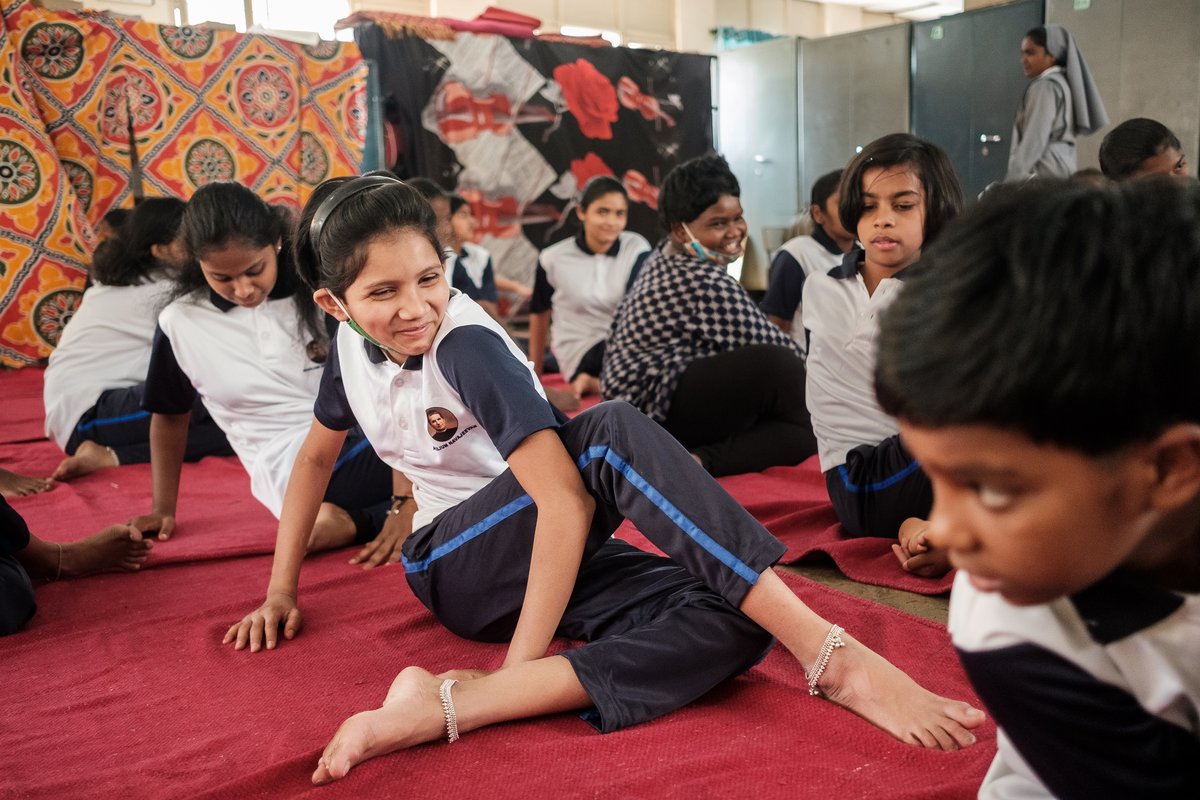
{"x": 470, "y": 271}
{"x": 106, "y": 345}
{"x": 252, "y": 370}
{"x": 584, "y": 289}
{"x": 791, "y": 265}
{"x": 1094, "y": 695}
{"x": 473, "y": 376}
{"x": 842, "y": 321}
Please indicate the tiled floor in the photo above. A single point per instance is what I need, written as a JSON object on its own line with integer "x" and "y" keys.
{"x": 933, "y": 608}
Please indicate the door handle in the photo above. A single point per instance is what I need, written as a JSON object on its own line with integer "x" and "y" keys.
{"x": 984, "y": 138}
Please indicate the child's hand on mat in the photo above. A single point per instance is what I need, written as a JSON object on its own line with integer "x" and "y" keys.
{"x": 914, "y": 553}
{"x": 385, "y": 547}
{"x": 261, "y": 626}
{"x": 164, "y": 524}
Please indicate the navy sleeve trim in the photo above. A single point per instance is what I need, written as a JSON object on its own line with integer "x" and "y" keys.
{"x": 168, "y": 389}
{"x": 495, "y": 386}
{"x": 637, "y": 269}
{"x": 786, "y": 288}
{"x": 543, "y": 292}
{"x": 331, "y": 408}
{"x": 1083, "y": 737}
{"x": 488, "y": 290}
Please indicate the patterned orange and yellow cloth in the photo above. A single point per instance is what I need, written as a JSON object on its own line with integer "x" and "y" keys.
{"x": 86, "y": 98}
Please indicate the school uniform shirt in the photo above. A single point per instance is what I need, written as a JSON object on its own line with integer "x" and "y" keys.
{"x": 842, "y": 321}
{"x": 793, "y": 263}
{"x": 1094, "y": 695}
{"x": 253, "y": 372}
{"x": 1043, "y": 135}
{"x": 106, "y": 345}
{"x": 584, "y": 289}
{"x": 470, "y": 271}
{"x": 473, "y": 376}
{"x": 679, "y": 309}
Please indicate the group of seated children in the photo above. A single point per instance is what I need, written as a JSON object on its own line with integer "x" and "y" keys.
{"x": 374, "y": 399}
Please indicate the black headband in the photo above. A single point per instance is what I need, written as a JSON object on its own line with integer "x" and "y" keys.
{"x": 336, "y": 198}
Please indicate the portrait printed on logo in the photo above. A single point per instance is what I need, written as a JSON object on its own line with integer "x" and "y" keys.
{"x": 442, "y": 425}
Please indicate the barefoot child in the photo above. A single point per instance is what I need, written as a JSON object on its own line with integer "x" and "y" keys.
{"x": 896, "y": 194}
{"x": 512, "y": 539}
{"x": 93, "y": 383}
{"x": 252, "y": 348}
{"x": 1044, "y": 366}
{"x": 24, "y": 556}
{"x": 580, "y": 282}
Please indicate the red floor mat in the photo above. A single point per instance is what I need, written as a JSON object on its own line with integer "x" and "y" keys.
{"x": 24, "y": 415}
{"x": 120, "y": 688}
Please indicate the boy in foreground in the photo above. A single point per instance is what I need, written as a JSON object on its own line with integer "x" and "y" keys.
{"x": 1044, "y": 363}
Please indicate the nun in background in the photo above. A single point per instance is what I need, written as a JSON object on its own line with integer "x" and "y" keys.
{"x": 1060, "y": 103}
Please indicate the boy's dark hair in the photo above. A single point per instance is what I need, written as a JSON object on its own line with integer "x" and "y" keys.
{"x": 352, "y": 225}
{"x": 825, "y": 186}
{"x": 599, "y": 186}
{"x": 1064, "y": 313}
{"x": 943, "y": 192}
{"x": 457, "y": 201}
{"x": 126, "y": 260}
{"x": 1126, "y": 147}
{"x": 692, "y": 187}
{"x": 224, "y": 213}
{"x": 428, "y": 189}
{"x": 116, "y": 218}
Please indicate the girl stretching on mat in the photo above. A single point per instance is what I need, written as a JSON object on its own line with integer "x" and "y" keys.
{"x": 241, "y": 337}
{"x": 512, "y": 540}
{"x": 93, "y": 384}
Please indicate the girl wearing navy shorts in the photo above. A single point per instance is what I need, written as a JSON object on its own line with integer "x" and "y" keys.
{"x": 93, "y": 383}
{"x": 512, "y": 540}
{"x": 241, "y": 337}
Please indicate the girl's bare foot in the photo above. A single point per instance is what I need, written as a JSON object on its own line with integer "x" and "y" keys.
{"x": 333, "y": 528}
{"x": 565, "y": 402}
{"x": 862, "y": 681}
{"x": 14, "y": 485}
{"x": 410, "y": 715}
{"x": 119, "y": 548}
{"x": 88, "y": 458}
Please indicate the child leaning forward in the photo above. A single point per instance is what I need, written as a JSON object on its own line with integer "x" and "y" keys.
{"x": 512, "y": 537}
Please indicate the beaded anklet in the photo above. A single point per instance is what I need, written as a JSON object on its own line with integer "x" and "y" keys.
{"x": 448, "y": 710}
{"x": 833, "y": 640}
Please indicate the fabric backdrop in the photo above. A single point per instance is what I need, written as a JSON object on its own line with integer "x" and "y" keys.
{"x": 518, "y": 126}
{"x": 185, "y": 106}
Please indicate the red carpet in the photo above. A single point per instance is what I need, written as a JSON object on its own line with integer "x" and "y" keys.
{"x": 23, "y": 416}
{"x": 119, "y": 687}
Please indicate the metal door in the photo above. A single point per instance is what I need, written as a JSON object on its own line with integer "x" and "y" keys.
{"x": 967, "y": 84}
{"x": 853, "y": 89}
{"x": 758, "y": 130}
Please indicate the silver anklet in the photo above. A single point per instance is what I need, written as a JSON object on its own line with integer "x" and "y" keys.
{"x": 833, "y": 640}
{"x": 448, "y": 710}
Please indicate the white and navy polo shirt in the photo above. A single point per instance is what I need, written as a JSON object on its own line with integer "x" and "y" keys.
{"x": 842, "y": 321}
{"x": 482, "y": 389}
{"x": 106, "y": 345}
{"x": 793, "y": 263}
{"x": 1095, "y": 695}
{"x": 470, "y": 271}
{"x": 252, "y": 369}
{"x": 584, "y": 289}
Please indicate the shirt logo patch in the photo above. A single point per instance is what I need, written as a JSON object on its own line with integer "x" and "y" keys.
{"x": 442, "y": 424}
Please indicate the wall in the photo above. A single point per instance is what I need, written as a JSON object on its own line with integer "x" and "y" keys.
{"x": 683, "y": 25}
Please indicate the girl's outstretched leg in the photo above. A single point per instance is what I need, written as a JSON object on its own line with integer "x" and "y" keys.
{"x": 411, "y": 713}
{"x": 859, "y": 679}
